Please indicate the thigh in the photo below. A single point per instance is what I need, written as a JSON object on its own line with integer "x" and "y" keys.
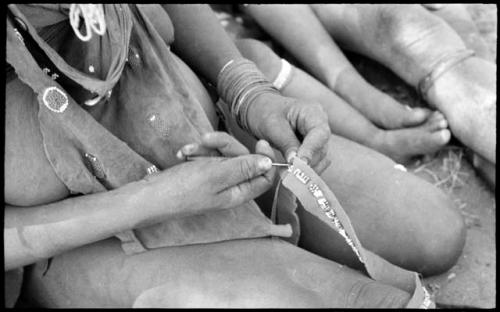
{"x": 240, "y": 273}
{"x": 395, "y": 214}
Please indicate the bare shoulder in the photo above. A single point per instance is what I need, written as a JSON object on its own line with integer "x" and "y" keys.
{"x": 29, "y": 178}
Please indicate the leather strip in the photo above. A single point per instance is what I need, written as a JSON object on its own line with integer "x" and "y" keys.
{"x": 317, "y": 198}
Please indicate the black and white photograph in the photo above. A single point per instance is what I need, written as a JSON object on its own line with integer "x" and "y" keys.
{"x": 287, "y": 155}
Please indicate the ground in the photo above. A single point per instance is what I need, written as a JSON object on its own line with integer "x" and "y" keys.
{"x": 472, "y": 281}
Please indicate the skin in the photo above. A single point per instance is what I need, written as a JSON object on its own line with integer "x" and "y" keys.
{"x": 398, "y": 144}
{"x": 400, "y": 37}
{"x": 89, "y": 273}
{"x": 285, "y": 115}
{"x": 457, "y": 16}
{"x": 465, "y": 94}
{"x": 105, "y": 261}
{"x": 311, "y": 44}
{"x": 218, "y": 49}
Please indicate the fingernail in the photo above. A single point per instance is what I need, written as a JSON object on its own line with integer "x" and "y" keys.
{"x": 265, "y": 163}
{"x": 188, "y": 149}
{"x": 264, "y": 142}
{"x": 179, "y": 154}
{"x": 400, "y": 167}
{"x": 291, "y": 156}
{"x": 306, "y": 160}
{"x": 443, "y": 123}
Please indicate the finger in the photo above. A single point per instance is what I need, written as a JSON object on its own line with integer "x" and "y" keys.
{"x": 315, "y": 141}
{"x": 322, "y": 165}
{"x": 262, "y": 147}
{"x": 195, "y": 149}
{"x": 226, "y": 144}
{"x": 284, "y": 139}
{"x": 243, "y": 192}
{"x": 243, "y": 168}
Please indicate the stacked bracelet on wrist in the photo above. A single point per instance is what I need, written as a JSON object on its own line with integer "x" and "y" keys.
{"x": 239, "y": 83}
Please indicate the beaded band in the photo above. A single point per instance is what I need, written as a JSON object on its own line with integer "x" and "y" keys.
{"x": 442, "y": 66}
{"x": 239, "y": 83}
{"x": 284, "y": 75}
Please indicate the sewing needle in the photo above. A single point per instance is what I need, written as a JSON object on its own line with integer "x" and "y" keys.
{"x": 205, "y": 157}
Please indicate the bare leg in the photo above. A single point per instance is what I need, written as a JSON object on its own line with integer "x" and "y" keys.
{"x": 397, "y": 215}
{"x": 344, "y": 120}
{"x": 457, "y": 16}
{"x": 243, "y": 273}
{"x": 400, "y": 217}
{"x": 409, "y": 40}
{"x": 300, "y": 32}
{"x": 416, "y": 226}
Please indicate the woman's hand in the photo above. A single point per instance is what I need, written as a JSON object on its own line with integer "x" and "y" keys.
{"x": 219, "y": 143}
{"x": 213, "y": 182}
{"x": 285, "y": 121}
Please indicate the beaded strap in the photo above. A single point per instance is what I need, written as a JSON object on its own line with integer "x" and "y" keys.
{"x": 442, "y": 66}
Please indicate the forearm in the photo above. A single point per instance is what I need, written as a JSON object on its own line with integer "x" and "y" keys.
{"x": 39, "y": 232}
{"x": 200, "y": 40}
{"x": 297, "y": 28}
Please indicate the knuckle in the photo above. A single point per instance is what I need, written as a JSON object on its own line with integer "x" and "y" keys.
{"x": 236, "y": 196}
{"x": 224, "y": 199}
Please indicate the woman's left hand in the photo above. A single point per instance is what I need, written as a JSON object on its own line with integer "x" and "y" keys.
{"x": 284, "y": 121}
{"x": 220, "y": 143}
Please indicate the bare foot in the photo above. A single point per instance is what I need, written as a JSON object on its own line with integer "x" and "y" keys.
{"x": 377, "y": 106}
{"x": 410, "y": 41}
{"x": 401, "y": 145}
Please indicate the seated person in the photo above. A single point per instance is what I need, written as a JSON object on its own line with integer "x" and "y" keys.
{"x": 411, "y": 42}
{"x": 101, "y": 211}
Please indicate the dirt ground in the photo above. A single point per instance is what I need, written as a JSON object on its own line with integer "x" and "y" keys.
{"x": 472, "y": 281}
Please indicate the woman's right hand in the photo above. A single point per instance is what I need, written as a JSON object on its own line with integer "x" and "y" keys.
{"x": 206, "y": 184}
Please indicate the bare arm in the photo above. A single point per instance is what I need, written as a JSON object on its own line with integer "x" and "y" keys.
{"x": 297, "y": 28}
{"x": 202, "y": 43}
{"x": 39, "y": 232}
{"x": 200, "y": 40}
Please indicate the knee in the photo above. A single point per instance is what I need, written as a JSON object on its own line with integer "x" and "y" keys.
{"x": 259, "y": 53}
{"x": 443, "y": 237}
{"x": 407, "y": 25}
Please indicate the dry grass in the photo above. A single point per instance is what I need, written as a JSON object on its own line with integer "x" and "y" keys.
{"x": 449, "y": 175}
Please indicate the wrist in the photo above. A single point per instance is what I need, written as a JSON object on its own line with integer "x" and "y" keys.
{"x": 140, "y": 206}
{"x": 239, "y": 84}
{"x": 263, "y": 105}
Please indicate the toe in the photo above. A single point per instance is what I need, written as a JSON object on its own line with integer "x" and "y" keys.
{"x": 416, "y": 116}
{"x": 444, "y": 136}
{"x": 437, "y": 121}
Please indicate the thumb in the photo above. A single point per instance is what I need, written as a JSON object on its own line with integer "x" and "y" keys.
{"x": 244, "y": 168}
